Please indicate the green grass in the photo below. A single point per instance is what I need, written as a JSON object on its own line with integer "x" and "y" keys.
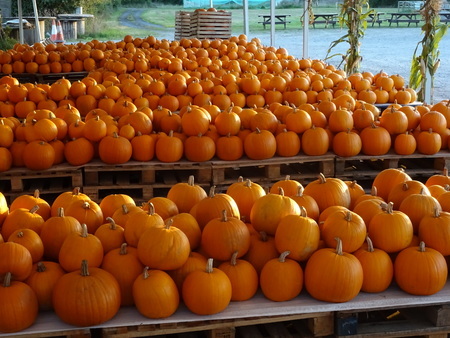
{"x": 107, "y": 27}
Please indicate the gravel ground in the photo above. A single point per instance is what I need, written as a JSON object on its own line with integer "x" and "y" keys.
{"x": 388, "y": 48}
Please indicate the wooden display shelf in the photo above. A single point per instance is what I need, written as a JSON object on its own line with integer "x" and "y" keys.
{"x": 211, "y": 25}
{"x": 321, "y": 318}
{"x": 46, "y": 78}
{"x": 50, "y": 182}
{"x": 182, "y": 25}
{"x": 363, "y": 167}
{"x": 303, "y": 168}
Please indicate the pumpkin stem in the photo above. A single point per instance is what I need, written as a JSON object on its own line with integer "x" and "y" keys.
{"x": 145, "y": 273}
{"x": 374, "y": 191}
{"x": 224, "y": 216}
{"x": 436, "y": 212}
{"x": 283, "y": 256}
{"x": 86, "y": 205}
{"x": 151, "y": 208}
{"x": 191, "y": 180}
{"x": 125, "y": 210}
{"x": 300, "y": 190}
{"x": 405, "y": 186}
{"x": 7, "y": 280}
{"x": 212, "y": 191}
{"x": 287, "y": 178}
{"x": 280, "y": 191}
{"x": 422, "y": 246}
{"x": 34, "y": 209}
{"x": 240, "y": 179}
{"x": 390, "y": 208}
{"x": 84, "y": 230}
{"x": 40, "y": 267}
{"x": 123, "y": 249}
{"x": 339, "y": 246}
{"x": 60, "y": 212}
{"x": 369, "y": 244}
{"x": 168, "y": 223}
{"x": 36, "y": 193}
{"x": 322, "y": 178}
{"x": 20, "y": 234}
{"x": 445, "y": 171}
{"x": 112, "y": 223}
{"x": 248, "y": 183}
{"x": 209, "y": 265}
{"x": 348, "y": 216}
{"x": 84, "y": 268}
{"x": 303, "y": 211}
{"x": 234, "y": 258}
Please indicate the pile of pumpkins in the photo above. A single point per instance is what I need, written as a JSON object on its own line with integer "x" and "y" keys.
{"x": 85, "y": 260}
{"x": 146, "y": 99}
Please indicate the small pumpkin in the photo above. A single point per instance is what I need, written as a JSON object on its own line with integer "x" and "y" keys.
{"x": 207, "y": 291}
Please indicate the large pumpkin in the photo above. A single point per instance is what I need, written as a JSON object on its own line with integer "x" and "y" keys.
{"x": 420, "y": 271}
{"x": 86, "y": 297}
{"x": 186, "y": 195}
{"x": 268, "y": 210}
{"x": 332, "y": 275}
{"x": 115, "y": 149}
{"x": 387, "y": 179}
{"x": 222, "y": 237}
{"x": 328, "y": 192}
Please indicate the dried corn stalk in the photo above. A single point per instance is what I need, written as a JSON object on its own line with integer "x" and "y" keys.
{"x": 353, "y": 15}
{"x": 426, "y": 63}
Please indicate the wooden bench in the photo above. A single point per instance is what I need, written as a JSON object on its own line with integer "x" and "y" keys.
{"x": 404, "y": 17}
{"x": 326, "y": 18}
{"x": 376, "y": 18}
{"x": 280, "y": 19}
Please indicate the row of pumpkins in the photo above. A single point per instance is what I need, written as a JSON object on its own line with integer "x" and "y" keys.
{"x": 85, "y": 260}
{"x": 42, "y": 138}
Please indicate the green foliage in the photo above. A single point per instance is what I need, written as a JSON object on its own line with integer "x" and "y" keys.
{"x": 426, "y": 55}
{"x": 6, "y": 42}
{"x": 47, "y": 7}
{"x": 382, "y": 3}
{"x": 353, "y": 15}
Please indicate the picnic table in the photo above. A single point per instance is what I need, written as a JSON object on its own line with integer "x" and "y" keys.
{"x": 445, "y": 17}
{"x": 326, "y": 18}
{"x": 376, "y": 17}
{"x": 280, "y": 19}
{"x": 404, "y": 17}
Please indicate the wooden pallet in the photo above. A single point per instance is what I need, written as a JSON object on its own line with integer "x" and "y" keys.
{"x": 76, "y": 333}
{"x": 50, "y": 182}
{"x": 302, "y": 168}
{"x": 427, "y": 321}
{"x": 417, "y": 165}
{"x": 309, "y": 325}
{"x": 46, "y": 78}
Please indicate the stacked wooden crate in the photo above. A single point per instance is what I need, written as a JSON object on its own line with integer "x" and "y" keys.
{"x": 203, "y": 25}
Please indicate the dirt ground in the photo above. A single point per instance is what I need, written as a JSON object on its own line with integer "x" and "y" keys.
{"x": 389, "y": 49}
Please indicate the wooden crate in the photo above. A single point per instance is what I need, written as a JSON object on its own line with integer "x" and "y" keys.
{"x": 183, "y": 24}
{"x": 211, "y": 25}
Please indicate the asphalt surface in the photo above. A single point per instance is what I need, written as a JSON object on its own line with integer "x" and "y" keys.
{"x": 388, "y": 49}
